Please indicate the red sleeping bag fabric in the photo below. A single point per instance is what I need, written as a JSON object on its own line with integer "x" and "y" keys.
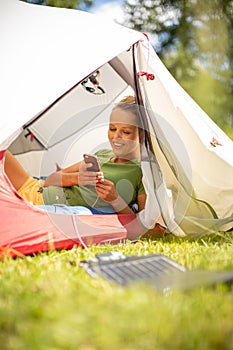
{"x": 26, "y": 229}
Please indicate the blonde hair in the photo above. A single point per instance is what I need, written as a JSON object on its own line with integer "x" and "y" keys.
{"x": 128, "y": 103}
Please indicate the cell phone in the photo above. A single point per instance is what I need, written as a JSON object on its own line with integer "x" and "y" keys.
{"x": 90, "y": 158}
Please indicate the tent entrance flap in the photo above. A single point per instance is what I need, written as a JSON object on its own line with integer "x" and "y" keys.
{"x": 76, "y": 123}
{"x": 176, "y": 145}
{"x": 43, "y": 64}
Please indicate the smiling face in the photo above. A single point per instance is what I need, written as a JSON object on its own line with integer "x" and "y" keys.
{"x": 123, "y": 135}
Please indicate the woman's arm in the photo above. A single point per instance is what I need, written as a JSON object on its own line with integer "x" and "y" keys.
{"x": 65, "y": 177}
{"x": 75, "y": 174}
{"x": 59, "y": 178}
{"x": 123, "y": 208}
{"x": 107, "y": 191}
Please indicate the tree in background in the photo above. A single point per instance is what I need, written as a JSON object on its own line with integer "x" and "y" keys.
{"x": 71, "y": 4}
{"x": 194, "y": 39}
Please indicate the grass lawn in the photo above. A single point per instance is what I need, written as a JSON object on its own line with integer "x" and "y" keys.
{"x": 48, "y": 302}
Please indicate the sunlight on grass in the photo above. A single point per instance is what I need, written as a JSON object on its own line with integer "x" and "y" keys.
{"x": 48, "y": 302}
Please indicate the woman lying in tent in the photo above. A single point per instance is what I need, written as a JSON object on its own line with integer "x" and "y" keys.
{"x": 114, "y": 188}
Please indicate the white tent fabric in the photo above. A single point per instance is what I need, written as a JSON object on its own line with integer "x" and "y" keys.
{"x": 195, "y": 131}
{"x": 187, "y": 135}
{"x": 46, "y": 53}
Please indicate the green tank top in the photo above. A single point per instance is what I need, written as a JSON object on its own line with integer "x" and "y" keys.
{"x": 127, "y": 178}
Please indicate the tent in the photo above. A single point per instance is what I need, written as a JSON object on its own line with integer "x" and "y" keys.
{"x": 52, "y": 111}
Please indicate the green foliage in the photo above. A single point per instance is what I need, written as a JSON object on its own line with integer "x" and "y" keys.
{"x": 49, "y": 302}
{"x": 195, "y": 41}
{"x": 62, "y": 3}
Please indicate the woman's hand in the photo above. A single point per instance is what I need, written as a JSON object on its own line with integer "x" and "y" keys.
{"x": 86, "y": 177}
{"x": 106, "y": 190}
{"x": 76, "y": 174}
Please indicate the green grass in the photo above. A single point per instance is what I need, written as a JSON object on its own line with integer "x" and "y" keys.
{"x": 48, "y": 302}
